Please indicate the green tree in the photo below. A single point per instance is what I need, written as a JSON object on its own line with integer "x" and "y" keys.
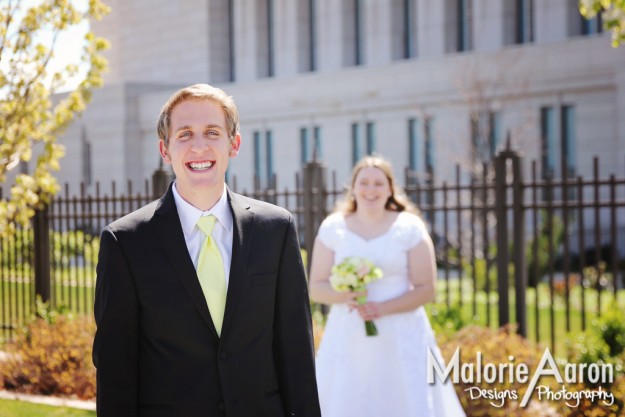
{"x": 30, "y": 117}
{"x": 613, "y": 14}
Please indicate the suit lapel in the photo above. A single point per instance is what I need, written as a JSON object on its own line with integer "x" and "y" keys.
{"x": 243, "y": 224}
{"x": 167, "y": 224}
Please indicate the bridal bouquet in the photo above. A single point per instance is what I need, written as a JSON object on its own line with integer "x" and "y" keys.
{"x": 353, "y": 274}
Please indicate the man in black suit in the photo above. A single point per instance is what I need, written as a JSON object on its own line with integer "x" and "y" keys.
{"x": 162, "y": 347}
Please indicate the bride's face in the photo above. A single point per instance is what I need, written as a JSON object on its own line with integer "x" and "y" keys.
{"x": 371, "y": 188}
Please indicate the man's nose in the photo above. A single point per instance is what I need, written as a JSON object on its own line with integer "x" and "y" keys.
{"x": 199, "y": 143}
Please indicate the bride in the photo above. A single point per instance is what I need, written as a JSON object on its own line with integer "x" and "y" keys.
{"x": 385, "y": 374}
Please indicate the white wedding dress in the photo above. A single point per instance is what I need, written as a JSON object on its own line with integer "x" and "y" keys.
{"x": 383, "y": 375}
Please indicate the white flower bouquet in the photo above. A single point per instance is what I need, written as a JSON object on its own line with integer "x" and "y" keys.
{"x": 353, "y": 274}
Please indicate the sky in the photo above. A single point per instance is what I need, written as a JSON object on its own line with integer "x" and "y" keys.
{"x": 69, "y": 44}
{"x": 68, "y": 50}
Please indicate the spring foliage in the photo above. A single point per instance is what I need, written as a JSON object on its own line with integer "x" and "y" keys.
{"x": 30, "y": 119}
{"x": 613, "y": 14}
{"x": 51, "y": 356}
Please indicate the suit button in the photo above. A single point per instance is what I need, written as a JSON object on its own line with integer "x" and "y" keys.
{"x": 222, "y": 355}
{"x": 221, "y": 406}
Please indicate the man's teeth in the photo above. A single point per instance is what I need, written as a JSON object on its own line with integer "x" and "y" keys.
{"x": 200, "y": 165}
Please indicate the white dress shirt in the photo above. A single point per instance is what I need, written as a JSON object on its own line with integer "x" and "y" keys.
{"x": 222, "y": 231}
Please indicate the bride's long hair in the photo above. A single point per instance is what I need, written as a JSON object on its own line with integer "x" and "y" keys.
{"x": 398, "y": 200}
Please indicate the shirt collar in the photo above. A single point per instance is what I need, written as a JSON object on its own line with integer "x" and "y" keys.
{"x": 189, "y": 214}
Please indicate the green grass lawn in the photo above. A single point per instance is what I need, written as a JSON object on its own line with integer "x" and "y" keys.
{"x": 15, "y": 297}
{"x": 13, "y": 408}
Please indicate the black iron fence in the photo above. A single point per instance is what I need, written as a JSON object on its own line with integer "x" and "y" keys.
{"x": 541, "y": 253}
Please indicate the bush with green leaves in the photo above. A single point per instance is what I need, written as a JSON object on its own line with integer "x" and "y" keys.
{"x": 496, "y": 347}
{"x": 445, "y": 319}
{"x": 52, "y": 356}
{"x": 602, "y": 343}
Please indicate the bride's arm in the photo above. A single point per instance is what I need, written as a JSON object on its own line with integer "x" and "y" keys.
{"x": 422, "y": 271}
{"x": 320, "y": 269}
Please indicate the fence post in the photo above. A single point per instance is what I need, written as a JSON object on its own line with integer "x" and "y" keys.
{"x": 518, "y": 238}
{"x": 160, "y": 181}
{"x": 503, "y": 257}
{"x": 41, "y": 236}
{"x": 314, "y": 203}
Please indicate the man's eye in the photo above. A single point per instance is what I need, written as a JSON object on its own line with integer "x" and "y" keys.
{"x": 184, "y": 134}
{"x": 212, "y": 133}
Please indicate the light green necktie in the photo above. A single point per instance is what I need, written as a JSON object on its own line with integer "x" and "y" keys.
{"x": 210, "y": 272}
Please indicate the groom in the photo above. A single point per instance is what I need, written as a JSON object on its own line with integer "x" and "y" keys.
{"x": 195, "y": 319}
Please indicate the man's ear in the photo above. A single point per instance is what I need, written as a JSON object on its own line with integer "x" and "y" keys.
{"x": 164, "y": 151}
{"x": 235, "y": 145}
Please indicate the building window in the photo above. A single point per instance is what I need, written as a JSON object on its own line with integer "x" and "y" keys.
{"x": 258, "y": 158}
{"x": 458, "y": 25}
{"x": 356, "y": 149}
{"x": 231, "y": 38}
{"x": 547, "y": 141}
{"x": 353, "y": 33}
{"x": 524, "y": 21}
{"x": 414, "y": 145}
{"x": 569, "y": 140}
{"x": 592, "y": 26}
{"x": 307, "y": 35}
{"x": 310, "y": 150}
{"x": 304, "y": 145}
{"x": 485, "y": 136}
{"x": 221, "y": 40}
{"x": 579, "y": 25}
{"x": 265, "y": 39}
{"x": 263, "y": 159}
{"x": 269, "y": 152}
{"x": 318, "y": 149}
{"x": 404, "y": 27}
{"x": 465, "y": 25}
{"x": 362, "y": 146}
{"x": 558, "y": 157}
{"x": 370, "y": 138}
{"x": 430, "y": 160}
{"x": 429, "y": 150}
{"x": 86, "y": 157}
{"x": 359, "y": 30}
{"x": 421, "y": 148}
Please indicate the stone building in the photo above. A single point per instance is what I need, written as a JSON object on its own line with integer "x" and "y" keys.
{"x": 426, "y": 83}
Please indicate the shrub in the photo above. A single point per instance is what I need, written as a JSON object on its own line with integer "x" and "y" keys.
{"x": 496, "y": 346}
{"x": 445, "y": 320}
{"x": 597, "y": 408}
{"x": 318, "y": 324}
{"x": 611, "y": 327}
{"x": 52, "y": 356}
{"x": 602, "y": 343}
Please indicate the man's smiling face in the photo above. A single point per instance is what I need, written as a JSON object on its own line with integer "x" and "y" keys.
{"x": 199, "y": 149}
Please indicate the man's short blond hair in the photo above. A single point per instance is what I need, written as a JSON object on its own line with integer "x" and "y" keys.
{"x": 198, "y": 92}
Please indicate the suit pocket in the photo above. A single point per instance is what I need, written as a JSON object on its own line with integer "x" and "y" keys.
{"x": 262, "y": 280}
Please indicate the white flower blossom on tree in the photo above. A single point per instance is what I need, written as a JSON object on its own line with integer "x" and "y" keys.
{"x": 29, "y": 118}
{"x": 613, "y": 15}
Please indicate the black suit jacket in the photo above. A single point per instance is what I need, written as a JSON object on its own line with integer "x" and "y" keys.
{"x": 156, "y": 350}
